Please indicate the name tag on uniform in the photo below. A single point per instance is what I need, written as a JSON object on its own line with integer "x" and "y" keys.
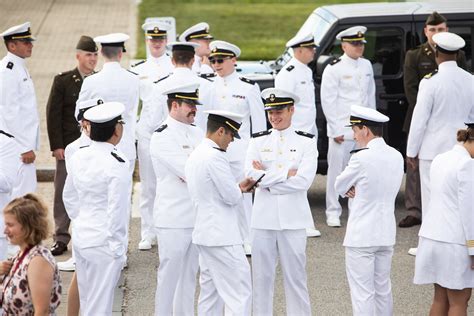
{"x": 303, "y": 82}
{"x": 186, "y": 147}
{"x": 266, "y": 150}
{"x": 346, "y": 77}
{"x": 238, "y": 96}
{"x": 25, "y": 79}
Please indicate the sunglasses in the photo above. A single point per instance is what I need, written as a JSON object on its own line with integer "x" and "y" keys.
{"x": 218, "y": 60}
{"x": 357, "y": 43}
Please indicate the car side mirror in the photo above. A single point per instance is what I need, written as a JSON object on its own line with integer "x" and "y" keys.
{"x": 322, "y": 62}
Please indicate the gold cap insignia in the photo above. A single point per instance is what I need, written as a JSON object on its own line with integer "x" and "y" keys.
{"x": 359, "y": 34}
{"x": 197, "y": 93}
{"x": 272, "y": 97}
{"x": 156, "y": 29}
{"x": 214, "y": 50}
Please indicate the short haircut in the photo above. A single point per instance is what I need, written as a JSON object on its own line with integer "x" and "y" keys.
{"x": 32, "y": 214}
{"x": 377, "y": 130}
{"x": 213, "y": 126}
{"x": 169, "y": 102}
{"x": 111, "y": 52}
{"x": 181, "y": 57}
{"x": 101, "y": 133}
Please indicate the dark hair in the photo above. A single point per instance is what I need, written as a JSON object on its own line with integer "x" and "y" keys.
{"x": 110, "y": 52}
{"x": 376, "y": 130}
{"x": 32, "y": 214}
{"x": 465, "y": 135}
{"x": 170, "y": 101}
{"x": 181, "y": 57}
{"x": 102, "y": 133}
{"x": 213, "y": 126}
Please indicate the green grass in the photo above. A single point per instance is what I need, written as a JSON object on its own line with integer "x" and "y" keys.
{"x": 259, "y": 28}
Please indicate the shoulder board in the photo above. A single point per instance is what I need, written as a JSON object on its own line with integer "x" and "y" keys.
{"x": 161, "y": 79}
{"x": 132, "y": 72}
{"x": 431, "y": 74}
{"x": 335, "y": 61}
{"x": 117, "y": 156}
{"x": 6, "y": 134}
{"x": 247, "y": 80}
{"x": 205, "y": 76}
{"x": 304, "y": 134}
{"x": 262, "y": 133}
{"x": 85, "y": 146}
{"x": 290, "y": 68}
{"x": 357, "y": 150}
{"x": 139, "y": 63}
{"x": 161, "y": 128}
{"x": 192, "y": 124}
{"x": 10, "y": 65}
{"x": 93, "y": 73}
{"x": 219, "y": 149}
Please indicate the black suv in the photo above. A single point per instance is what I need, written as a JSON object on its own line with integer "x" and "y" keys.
{"x": 392, "y": 29}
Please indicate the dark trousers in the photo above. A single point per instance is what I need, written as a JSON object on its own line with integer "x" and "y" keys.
{"x": 413, "y": 192}
{"x": 61, "y": 219}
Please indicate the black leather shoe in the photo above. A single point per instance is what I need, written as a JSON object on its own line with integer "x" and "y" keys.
{"x": 58, "y": 248}
{"x": 409, "y": 221}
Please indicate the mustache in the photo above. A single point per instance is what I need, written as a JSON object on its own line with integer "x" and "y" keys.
{"x": 191, "y": 113}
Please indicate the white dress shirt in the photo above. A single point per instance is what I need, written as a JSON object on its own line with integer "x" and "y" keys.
{"x": 376, "y": 174}
{"x": 216, "y": 196}
{"x": 150, "y": 71}
{"x": 155, "y": 109}
{"x": 282, "y": 202}
{"x": 297, "y": 78}
{"x": 116, "y": 84}
{"x": 199, "y": 68}
{"x": 169, "y": 149}
{"x": 450, "y": 214}
{"x": 18, "y": 106}
{"x": 72, "y": 148}
{"x": 233, "y": 94}
{"x": 345, "y": 83}
{"x": 444, "y": 102}
{"x": 96, "y": 197}
{"x": 9, "y": 165}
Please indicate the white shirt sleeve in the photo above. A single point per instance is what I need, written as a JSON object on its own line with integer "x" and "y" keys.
{"x": 329, "y": 96}
{"x": 421, "y": 116}
{"x": 349, "y": 177}
{"x": 224, "y": 181}
{"x": 466, "y": 202}
{"x": 257, "y": 112}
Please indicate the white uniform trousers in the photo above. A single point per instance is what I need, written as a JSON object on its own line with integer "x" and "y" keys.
{"x": 368, "y": 273}
{"x": 26, "y": 182}
{"x": 290, "y": 246}
{"x": 176, "y": 278}
{"x": 245, "y": 211}
{"x": 148, "y": 188}
{"x": 425, "y": 166}
{"x": 98, "y": 272}
{"x": 225, "y": 276}
{"x": 338, "y": 157}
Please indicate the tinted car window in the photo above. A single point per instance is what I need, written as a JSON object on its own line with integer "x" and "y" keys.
{"x": 466, "y": 33}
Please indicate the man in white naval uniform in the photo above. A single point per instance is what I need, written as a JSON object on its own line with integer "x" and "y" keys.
{"x": 216, "y": 196}
{"x": 445, "y": 100}
{"x": 97, "y": 187}
{"x": 157, "y": 66}
{"x": 174, "y": 214}
{"x": 229, "y": 92}
{"x": 9, "y": 166}
{"x": 297, "y": 77}
{"x": 199, "y": 34}
{"x": 287, "y": 159}
{"x": 371, "y": 180}
{"x": 18, "y": 103}
{"x": 82, "y": 142}
{"x": 347, "y": 81}
{"x": 182, "y": 58}
{"x": 115, "y": 84}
